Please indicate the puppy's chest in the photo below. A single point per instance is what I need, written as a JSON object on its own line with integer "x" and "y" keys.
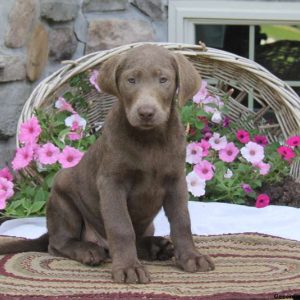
{"x": 155, "y": 171}
{"x": 147, "y": 193}
{"x": 149, "y": 188}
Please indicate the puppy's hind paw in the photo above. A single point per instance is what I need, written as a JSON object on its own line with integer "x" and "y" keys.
{"x": 155, "y": 248}
{"x": 91, "y": 254}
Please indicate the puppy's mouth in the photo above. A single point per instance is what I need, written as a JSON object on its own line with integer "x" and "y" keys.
{"x": 145, "y": 122}
{"x": 146, "y": 125}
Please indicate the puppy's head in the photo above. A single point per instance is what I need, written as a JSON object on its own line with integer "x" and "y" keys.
{"x": 145, "y": 79}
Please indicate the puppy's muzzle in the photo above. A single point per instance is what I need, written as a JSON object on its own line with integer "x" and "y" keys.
{"x": 146, "y": 113}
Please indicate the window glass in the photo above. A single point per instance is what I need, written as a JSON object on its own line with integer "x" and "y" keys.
{"x": 276, "y": 47}
{"x": 279, "y": 51}
{"x": 231, "y": 38}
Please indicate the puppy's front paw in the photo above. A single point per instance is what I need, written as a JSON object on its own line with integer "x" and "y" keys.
{"x": 135, "y": 273}
{"x": 195, "y": 262}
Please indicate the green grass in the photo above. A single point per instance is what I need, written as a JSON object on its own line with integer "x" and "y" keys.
{"x": 281, "y": 32}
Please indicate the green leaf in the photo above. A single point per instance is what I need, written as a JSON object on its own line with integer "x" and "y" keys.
{"x": 220, "y": 165}
{"x": 49, "y": 179}
{"x": 243, "y": 168}
{"x": 199, "y": 125}
{"x": 58, "y": 143}
{"x": 37, "y": 206}
{"x": 39, "y": 196}
{"x": 26, "y": 203}
{"x": 186, "y": 113}
{"x": 92, "y": 139}
{"x": 238, "y": 200}
{"x": 29, "y": 191}
{"x": 68, "y": 96}
{"x": 202, "y": 113}
{"x": 63, "y": 133}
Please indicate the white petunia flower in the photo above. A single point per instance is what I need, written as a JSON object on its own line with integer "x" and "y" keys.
{"x": 228, "y": 174}
{"x": 217, "y": 142}
{"x": 75, "y": 122}
{"x": 253, "y": 152}
{"x": 196, "y": 185}
{"x": 193, "y": 153}
{"x": 216, "y": 117}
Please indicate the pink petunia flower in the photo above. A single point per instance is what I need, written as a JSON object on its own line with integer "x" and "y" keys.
{"x": 205, "y": 121}
{"x": 286, "y": 152}
{"x": 262, "y": 200}
{"x": 22, "y": 158}
{"x": 202, "y": 93}
{"x": 212, "y": 104}
{"x": 228, "y": 174}
{"x": 207, "y": 135}
{"x": 260, "y": 140}
{"x": 48, "y": 154}
{"x": 75, "y": 122}
{"x": 253, "y": 152}
{"x": 246, "y": 188}
{"x": 70, "y": 157}
{"x": 30, "y": 131}
{"x": 264, "y": 168}
{"x": 193, "y": 153}
{"x": 192, "y": 131}
{"x": 94, "y": 81}
{"x": 243, "y": 136}
{"x": 75, "y": 135}
{"x": 35, "y": 148}
{"x": 294, "y": 141}
{"x": 217, "y": 142}
{"x": 5, "y": 173}
{"x": 205, "y": 170}
{"x": 62, "y": 105}
{"x": 209, "y": 109}
{"x": 6, "y": 191}
{"x": 226, "y": 122}
{"x": 205, "y": 145}
{"x": 195, "y": 184}
{"x": 229, "y": 153}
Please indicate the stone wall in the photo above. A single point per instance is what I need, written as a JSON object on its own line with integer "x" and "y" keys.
{"x": 36, "y": 35}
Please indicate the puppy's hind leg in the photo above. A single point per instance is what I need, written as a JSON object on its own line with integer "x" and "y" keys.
{"x": 65, "y": 226}
{"x": 151, "y": 247}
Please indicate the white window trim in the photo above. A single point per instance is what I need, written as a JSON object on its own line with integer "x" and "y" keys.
{"x": 184, "y": 14}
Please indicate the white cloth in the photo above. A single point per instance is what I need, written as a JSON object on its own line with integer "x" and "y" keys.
{"x": 206, "y": 219}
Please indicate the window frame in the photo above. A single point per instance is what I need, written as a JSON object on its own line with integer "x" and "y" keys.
{"x": 185, "y": 14}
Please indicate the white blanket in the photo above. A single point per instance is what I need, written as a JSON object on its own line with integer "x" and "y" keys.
{"x": 206, "y": 219}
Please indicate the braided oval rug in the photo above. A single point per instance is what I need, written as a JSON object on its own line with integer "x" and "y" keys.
{"x": 248, "y": 266}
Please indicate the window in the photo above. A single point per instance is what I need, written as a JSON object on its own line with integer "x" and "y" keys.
{"x": 265, "y": 31}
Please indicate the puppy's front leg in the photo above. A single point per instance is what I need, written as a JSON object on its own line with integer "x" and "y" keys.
{"x": 186, "y": 254}
{"x": 120, "y": 233}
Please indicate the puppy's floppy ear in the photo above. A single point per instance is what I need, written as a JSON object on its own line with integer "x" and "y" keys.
{"x": 188, "y": 79}
{"x": 108, "y": 75}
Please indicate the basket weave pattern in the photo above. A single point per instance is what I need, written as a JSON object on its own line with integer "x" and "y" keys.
{"x": 222, "y": 70}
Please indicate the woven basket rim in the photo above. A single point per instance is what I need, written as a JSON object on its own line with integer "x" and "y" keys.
{"x": 72, "y": 67}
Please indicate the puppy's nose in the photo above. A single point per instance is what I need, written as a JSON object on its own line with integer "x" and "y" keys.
{"x": 146, "y": 113}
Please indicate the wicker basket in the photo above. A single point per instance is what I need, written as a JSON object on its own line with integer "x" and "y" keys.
{"x": 222, "y": 69}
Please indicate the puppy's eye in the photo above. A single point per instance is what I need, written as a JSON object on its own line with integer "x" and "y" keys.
{"x": 163, "y": 79}
{"x": 131, "y": 80}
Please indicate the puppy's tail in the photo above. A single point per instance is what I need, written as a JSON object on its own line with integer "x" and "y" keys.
{"x": 39, "y": 245}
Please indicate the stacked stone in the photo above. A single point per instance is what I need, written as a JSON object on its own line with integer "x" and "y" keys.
{"x": 36, "y": 35}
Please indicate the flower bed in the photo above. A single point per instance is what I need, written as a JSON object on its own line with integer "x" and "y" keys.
{"x": 50, "y": 140}
{"x": 226, "y": 162}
